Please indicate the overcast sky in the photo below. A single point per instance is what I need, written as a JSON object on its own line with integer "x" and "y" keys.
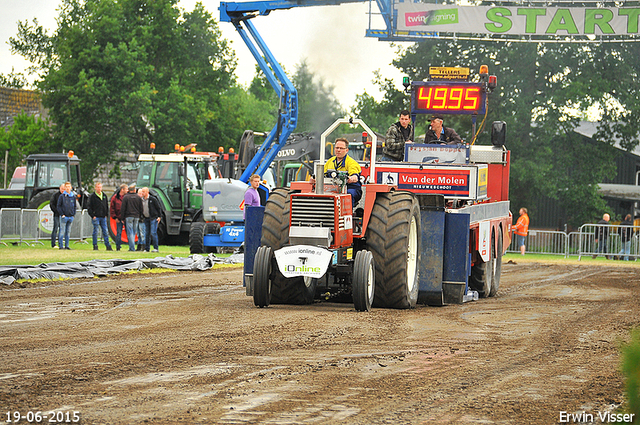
{"x": 330, "y": 38}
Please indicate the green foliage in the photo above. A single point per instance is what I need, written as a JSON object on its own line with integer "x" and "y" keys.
{"x": 26, "y": 136}
{"x": 13, "y": 80}
{"x": 631, "y": 371}
{"x": 118, "y": 75}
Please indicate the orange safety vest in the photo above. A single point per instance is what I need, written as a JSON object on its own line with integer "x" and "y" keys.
{"x": 522, "y": 225}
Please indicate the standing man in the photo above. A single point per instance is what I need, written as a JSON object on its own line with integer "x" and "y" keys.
{"x": 131, "y": 211}
{"x": 141, "y": 229}
{"x": 602, "y": 235}
{"x": 114, "y": 210}
{"x": 251, "y": 195}
{"x": 53, "y": 204}
{"x": 626, "y": 234}
{"x": 521, "y": 229}
{"x": 99, "y": 211}
{"x": 438, "y": 133}
{"x": 67, "y": 209}
{"x": 151, "y": 211}
{"x": 397, "y": 135}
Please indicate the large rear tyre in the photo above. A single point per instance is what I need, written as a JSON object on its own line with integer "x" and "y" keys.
{"x": 497, "y": 266}
{"x": 262, "y": 277}
{"x": 363, "y": 282}
{"x": 196, "y": 237}
{"x": 399, "y": 289}
{"x": 42, "y": 199}
{"x": 275, "y": 234}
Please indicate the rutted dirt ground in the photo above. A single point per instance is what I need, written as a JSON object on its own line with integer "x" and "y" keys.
{"x": 192, "y": 348}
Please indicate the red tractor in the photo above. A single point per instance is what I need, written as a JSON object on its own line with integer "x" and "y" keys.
{"x": 430, "y": 231}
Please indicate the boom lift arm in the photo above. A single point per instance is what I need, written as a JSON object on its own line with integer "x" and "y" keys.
{"x": 240, "y": 15}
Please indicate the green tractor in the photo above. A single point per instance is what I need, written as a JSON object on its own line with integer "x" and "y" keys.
{"x": 176, "y": 179}
{"x": 43, "y": 177}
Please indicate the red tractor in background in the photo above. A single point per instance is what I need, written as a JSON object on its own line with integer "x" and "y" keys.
{"x": 432, "y": 230}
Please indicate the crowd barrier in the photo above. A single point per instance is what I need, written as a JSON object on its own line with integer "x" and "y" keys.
{"x": 581, "y": 243}
{"x": 30, "y": 227}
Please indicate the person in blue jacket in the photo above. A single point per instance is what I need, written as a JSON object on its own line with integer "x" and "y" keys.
{"x": 67, "y": 210}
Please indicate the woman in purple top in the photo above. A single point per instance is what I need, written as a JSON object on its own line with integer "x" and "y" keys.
{"x": 251, "y": 196}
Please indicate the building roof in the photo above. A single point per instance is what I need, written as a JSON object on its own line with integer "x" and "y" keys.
{"x": 589, "y": 129}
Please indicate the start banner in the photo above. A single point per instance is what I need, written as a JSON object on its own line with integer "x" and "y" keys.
{"x": 514, "y": 20}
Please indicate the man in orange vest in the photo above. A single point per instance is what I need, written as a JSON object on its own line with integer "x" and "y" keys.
{"x": 521, "y": 229}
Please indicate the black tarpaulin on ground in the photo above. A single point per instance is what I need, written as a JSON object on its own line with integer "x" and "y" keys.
{"x": 195, "y": 262}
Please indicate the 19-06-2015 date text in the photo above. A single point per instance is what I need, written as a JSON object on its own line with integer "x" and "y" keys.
{"x": 51, "y": 417}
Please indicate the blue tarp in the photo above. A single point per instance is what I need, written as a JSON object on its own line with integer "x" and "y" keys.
{"x": 195, "y": 262}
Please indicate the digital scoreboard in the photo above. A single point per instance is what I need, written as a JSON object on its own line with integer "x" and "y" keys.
{"x": 444, "y": 97}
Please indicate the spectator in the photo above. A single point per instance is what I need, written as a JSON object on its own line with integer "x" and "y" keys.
{"x": 602, "y": 235}
{"x": 141, "y": 229}
{"x": 53, "y": 204}
{"x": 521, "y": 229}
{"x": 131, "y": 211}
{"x": 626, "y": 233}
{"x": 397, "y": 136}
{"x": 99, "y": 211}
{"x": 251, "y": 195}
{"x": 67, "y": 209}
{"x": 152, "y": 212}
{"x": 114, "y": 211}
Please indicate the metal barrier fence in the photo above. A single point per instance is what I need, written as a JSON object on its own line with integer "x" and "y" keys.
{"x": 29, "y": 227}
{"x": 583, "y": 242}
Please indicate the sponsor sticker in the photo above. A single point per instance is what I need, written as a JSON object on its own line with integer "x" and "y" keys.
{"x": 303, "y": 260}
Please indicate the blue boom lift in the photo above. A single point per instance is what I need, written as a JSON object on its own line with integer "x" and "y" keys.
{"x": 222, "y": 198}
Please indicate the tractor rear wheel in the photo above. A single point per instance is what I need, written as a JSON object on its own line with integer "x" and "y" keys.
{"x": 275, "y": 234}
{"x": 481, "y": 278}
{"x": 497, "y": 267}
{"x": 196, "y": 238}
{"x": 363, "y": 283}
{"x": 42, "y": 199}
{"x": 399, "y": 286}
{"x": 262, "y": 276}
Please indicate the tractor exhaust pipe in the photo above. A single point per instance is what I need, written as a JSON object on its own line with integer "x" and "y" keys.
{"x": 319, "y": 178}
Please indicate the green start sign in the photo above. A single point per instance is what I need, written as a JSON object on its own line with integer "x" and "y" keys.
{"x": 523, "y": 21}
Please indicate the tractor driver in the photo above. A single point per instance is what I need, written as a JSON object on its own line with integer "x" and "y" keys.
{"x": 438, "y": 133}
{"x": 343, "y": 162}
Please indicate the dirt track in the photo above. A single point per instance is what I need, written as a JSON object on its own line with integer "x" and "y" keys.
{"x": 192, "y": 348}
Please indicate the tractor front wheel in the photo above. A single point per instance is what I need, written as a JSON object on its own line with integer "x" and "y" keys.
{"x": 363, "y": 283}
{"x": 262, "y": 277}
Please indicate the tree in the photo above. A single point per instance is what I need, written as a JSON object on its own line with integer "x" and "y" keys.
{"x": 27, "y": 135}
{"x": 119, "y": 75}
{"x": 544, "y": 90}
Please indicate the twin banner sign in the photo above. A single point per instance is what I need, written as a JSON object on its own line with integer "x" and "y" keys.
{"x": 532, "y": 21}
